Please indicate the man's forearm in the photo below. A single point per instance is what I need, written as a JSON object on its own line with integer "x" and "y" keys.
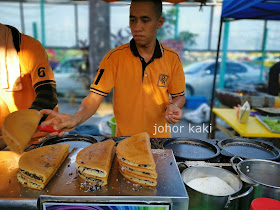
{"x": 179, "y": 101}
{"x": 88, "y": 107}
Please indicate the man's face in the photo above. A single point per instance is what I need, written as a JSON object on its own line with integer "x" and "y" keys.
{"x": 144, "y": 22}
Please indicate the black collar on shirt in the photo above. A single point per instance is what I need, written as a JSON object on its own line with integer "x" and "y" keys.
{"x": 157, "y": 53}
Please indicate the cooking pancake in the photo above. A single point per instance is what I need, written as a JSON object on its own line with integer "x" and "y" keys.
{"x": 136, "y": 151}
{"x": 39, "y": 165}
{"x": 138, "y": 179}
{"x": 19, "y": 127}
{"x": 96, "y": 159}
{"x": 93, "y": 179}
{"x": 139, "y": 171}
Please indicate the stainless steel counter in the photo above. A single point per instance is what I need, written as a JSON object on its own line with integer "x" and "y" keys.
{"x": 65, "y": 186}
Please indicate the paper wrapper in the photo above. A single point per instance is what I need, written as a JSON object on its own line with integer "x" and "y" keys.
{"x": 244, "y": 113}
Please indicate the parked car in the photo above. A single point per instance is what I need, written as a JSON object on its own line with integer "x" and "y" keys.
{"x": 199, "y": 76}
{"x": 68, "y": 78}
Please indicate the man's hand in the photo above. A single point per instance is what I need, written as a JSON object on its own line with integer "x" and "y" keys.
{"x": 173, "y": 114}
{"x": 60, "y": 121}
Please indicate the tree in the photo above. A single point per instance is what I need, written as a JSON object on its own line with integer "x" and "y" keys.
{"x": 188, "y": 37}
{"x": 167, "y": 30}
{"x": 122, "y": 36}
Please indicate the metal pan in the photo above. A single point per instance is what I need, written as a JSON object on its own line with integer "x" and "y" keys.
{"x": 75, "y": 140}
{"x": 192, "y": 149}
{"x": 249, "y": 148}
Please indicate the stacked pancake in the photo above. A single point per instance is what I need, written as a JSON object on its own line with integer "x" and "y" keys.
{"x": 93, "y": 163}
{"x": 37, "y": 167}
{"x": 18, "y": 128}
{"x": 136, "y": 162}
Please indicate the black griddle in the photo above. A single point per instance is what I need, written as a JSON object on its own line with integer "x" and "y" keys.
{"x": 248, "y": 148}
{"x": 192, "y": 149}
{"x": 75, "y": 141}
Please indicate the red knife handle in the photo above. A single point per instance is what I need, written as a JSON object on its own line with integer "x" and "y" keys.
{"x": 48, "y": 129}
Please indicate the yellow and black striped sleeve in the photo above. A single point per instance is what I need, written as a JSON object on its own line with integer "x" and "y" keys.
{"x": 105, "y": 77}
{"x": 46, "y": 96}
{"x": 177, "y": 84}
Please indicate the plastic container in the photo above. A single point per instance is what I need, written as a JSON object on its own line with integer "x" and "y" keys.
{"x": 193, "y": 102}
{"x": 265, "y": 203}
{"x": 112, "y": 123}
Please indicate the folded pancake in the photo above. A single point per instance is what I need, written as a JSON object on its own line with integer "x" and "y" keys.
{"x": 30, "y": 183}
{"x": 138, "y": 170}
{"x": 38, "y": 166}
{"x": 96, "y": 159}
{"x": 136, "y": 151}
{"x": 93, "y": 179}
{"x": 138, "y": 179}
{"x": 18, "y": 128}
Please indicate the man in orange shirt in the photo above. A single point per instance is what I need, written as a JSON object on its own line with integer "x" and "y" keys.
{"x": 26, "y": 78}
{"x": 143, "y": 73}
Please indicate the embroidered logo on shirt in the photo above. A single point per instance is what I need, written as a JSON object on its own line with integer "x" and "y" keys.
{"x": 162, "y": 79}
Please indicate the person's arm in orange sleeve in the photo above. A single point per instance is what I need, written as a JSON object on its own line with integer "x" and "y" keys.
{"x": 34, "y": 56}
{"x": 67, "y": 122}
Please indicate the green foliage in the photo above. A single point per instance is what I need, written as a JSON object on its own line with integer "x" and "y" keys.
{"x": 167, "y": 30}
{"x": 188, "y": 37}
{"x": 169, "y": 24}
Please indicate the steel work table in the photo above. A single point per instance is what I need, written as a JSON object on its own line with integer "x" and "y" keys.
{"x": 65, "y": 187}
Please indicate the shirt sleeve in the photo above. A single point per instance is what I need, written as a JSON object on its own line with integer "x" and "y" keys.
{"x": 177, "y": 85}
{"x": 37, "y": 61}
{"x": 105, "y": 77}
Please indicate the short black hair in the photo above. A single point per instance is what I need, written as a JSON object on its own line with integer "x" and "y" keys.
{"x": 157, "y": 4}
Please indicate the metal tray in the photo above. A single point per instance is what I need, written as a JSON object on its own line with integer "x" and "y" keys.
{"x": 249, "y": 148}
{"x": 261, "y": 120}
{"x": 66, "y": 183}
{"x": 268, "y": 110}
{"x": 192, "y": 149}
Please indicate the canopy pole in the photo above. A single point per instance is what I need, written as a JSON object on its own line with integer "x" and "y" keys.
{"x": 42, "y": 12}
{"x": 22, "y": 17}
{"x": 35, "y": 32}
{"x": 264, "y": 41}
{"x": 224, "y": 56}
{"x": 215, "y": 73}
{"x": 177, "y": 20}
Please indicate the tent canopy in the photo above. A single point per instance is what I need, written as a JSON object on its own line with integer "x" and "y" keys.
{"x": 251, "y": 9}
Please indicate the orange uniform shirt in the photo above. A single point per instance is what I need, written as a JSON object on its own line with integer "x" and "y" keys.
{"x": 141, "y": 90}
{"x": 35, "y": 71}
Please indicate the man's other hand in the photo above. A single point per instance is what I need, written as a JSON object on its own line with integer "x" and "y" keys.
{"x": 173, "y": 114}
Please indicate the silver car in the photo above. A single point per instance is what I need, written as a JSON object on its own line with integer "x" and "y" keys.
{"x": 68, "y": 79}
{"x": 199, "y": 77}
